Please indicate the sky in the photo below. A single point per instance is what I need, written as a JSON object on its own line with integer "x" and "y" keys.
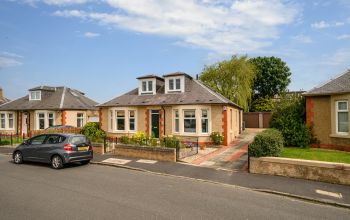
{"x": 101, "y": 46}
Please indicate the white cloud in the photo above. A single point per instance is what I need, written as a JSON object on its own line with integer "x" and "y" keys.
{"x": 91, "y": 34}
{"x": 302, "y": 38}
{"x": 320, "y": 25}
{"x": 55, "y": 2}
{"x": 9, "y": 59}
{"x": 341, "y": 57}
{"x": 343, "y": 37}
{"x": 218, "y": 25}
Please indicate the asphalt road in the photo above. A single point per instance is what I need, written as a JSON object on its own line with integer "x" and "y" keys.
{"x": 32, "y": 191}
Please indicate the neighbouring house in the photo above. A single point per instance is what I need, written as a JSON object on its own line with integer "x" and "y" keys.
{"x": 2, "y": 98}
{"x": 46, "y": 106}
{"x": 327, "y": 112}
{"x": 175, "y": 104}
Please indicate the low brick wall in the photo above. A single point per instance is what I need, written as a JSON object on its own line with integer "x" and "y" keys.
{"x": 151, "y": 153}
{"x": 305, "y": 169}
{"x": 97, "y": 148}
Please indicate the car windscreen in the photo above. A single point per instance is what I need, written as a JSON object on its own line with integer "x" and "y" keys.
{"x": 76, "y": 140}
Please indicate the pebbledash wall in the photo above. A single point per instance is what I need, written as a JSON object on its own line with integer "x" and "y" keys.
{"x": 321, "y": 116}
{"x": 221, "y": 120}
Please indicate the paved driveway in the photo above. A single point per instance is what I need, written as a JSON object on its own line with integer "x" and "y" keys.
{"x": 233, "y": 157}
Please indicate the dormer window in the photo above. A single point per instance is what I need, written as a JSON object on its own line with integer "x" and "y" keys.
{"x": 175, "y": 84}
{"x": 35, "y": 95}
{"x": 147, "y": 87}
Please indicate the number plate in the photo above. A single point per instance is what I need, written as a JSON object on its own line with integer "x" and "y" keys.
{"x": 83, "y": 148}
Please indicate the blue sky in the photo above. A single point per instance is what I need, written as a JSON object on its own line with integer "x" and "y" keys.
{"x": 100, "y": 47}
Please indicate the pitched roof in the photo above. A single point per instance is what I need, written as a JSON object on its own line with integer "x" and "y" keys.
{"x": 149, "y": 76}
{"x": 338, "y": 85}
{"x": 52, "y": 99}
{"x": 177, "y": 74}
{"x": 195, "y": 93}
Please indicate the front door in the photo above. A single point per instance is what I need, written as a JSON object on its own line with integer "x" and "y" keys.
{"x": 155, "y": 123}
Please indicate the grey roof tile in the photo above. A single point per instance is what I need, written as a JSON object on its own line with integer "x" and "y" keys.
{"x": 52, "y": 100}
{"x": 340, "y": 84}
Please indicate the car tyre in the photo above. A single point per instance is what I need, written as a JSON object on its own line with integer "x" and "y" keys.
{"x": 18, "y": 157}
{"x": 56, "y": 162}
{"x": 85, "y": 162}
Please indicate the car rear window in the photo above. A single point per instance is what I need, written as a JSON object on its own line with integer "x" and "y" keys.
{"x": 78, "y": 140}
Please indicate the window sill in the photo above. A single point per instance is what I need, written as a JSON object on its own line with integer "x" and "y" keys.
{"x": 339, "y": 136}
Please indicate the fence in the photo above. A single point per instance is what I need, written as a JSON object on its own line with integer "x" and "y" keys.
{"x": 185, "y": 147}
{"x": 11, "y": 139}
{"x": 257, "y": 119}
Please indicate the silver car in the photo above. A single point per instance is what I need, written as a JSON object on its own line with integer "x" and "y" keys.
{"x": 55, "y": 149}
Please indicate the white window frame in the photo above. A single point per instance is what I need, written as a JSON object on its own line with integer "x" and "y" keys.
{"x": 190, "y": 118}
{"x": 80, "y": 118}
{"x": 116, "y": 120}
{"x": 148, "y": 91}
{"x": 129, "y": 120}
{"x": 111, "y": 120}
{"x": 336, "y": 115}
{"x": 2, "y": 119}
{"x": 46, "y": 119}
{"x": 176, "y": 118}
{"x": 126, "y": 110}
{"x": 13, "y": 121}
{"x": 35, "y": 95}
{"x": 174, "y": 89}
{"x": 204, "y": 118}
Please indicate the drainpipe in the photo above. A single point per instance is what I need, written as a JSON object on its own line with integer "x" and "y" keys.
{"x": 163, "y": 120}
{"x": 17, "y": 122}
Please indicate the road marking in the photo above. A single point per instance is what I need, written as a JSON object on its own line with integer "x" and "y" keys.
{"x": 146, "y": 161}
{"x": 332, "y": 194}
{"x": 207, "y": 163}
{"x": 116, "y": 161}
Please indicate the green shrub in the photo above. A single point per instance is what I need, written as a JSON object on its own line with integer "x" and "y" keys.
{"x": 152, "y": 141}
{"x": 216, "y": 138}
{"x": 262, "y": 104}
{"x": 124, "y": 139}
{"x": 170, "y": 142}
{"x": 139, "y": 138}
{"x": 267, "y": 143}
{"x": 93, "y": 132}
{"x": 289, "y": 118}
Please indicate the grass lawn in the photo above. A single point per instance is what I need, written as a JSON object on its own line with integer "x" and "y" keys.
{"x": 316, "y": 154}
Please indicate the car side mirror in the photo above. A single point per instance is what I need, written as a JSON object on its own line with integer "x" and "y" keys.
{"x": 25, "y": 142}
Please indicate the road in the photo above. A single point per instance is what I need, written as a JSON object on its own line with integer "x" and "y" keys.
{"x": 33, "y": 191}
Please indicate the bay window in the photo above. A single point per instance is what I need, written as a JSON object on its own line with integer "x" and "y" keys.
{"x": 342, "y": 117}
{"x": 10, "y": 119}
{"x": 176, "y": 121}
{"x": 132, "y": 120}
{"x": 41, "y": 120}
{"x": 44, "y": 119}
{"x": 120, "y": 120}
{"x": 190, "y": 121}
{"x": 205, "y": 121}
{"x": 80, "y": 120}
{"x": 2, "y": 120}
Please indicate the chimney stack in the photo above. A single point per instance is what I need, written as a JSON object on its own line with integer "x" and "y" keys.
{"x": 1, "y": 94}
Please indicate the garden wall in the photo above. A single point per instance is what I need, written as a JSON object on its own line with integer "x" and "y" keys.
{"x": 152, "y": 153}
{"x": 305, "y": 169}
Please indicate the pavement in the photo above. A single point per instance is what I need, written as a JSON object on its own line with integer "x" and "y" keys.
{"x": 35, "y": 191}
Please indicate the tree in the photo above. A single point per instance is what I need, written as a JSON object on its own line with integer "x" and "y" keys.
{"x": 272, "y": 76}
{"x": 262, "y": 104}
{"x": 231, "y": 78}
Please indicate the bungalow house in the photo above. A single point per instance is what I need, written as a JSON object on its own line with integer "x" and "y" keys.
{"x": 327, "y": 111}
{"x": 46, "y": 106}
{"x": 175, "y": 104}
{"x": 2, "y": 98}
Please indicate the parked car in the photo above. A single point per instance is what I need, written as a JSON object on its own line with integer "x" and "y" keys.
{"x": 55, "y": 149}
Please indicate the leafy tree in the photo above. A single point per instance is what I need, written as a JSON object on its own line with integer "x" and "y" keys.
{"x": 289, "y": 118}
{"x": 272, "y": 76}
{"x": 262, "y": 104}
{"x": 93, "y": 132}
{"x": 231, "y": 78}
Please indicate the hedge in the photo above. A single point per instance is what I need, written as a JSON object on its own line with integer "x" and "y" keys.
{"x": 267, "y": 143}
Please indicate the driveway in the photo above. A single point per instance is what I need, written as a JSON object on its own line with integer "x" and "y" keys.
{"x": 232, "y": 157}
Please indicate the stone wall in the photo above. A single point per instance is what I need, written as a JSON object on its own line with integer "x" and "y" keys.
{"x": 305, "y": 169}
{"x": 152, "y": 153}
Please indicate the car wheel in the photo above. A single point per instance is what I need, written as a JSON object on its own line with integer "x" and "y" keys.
{"x": 18, "y": 158}
{"x": 85, "y": 162}
{"x": 56, "y": 162}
